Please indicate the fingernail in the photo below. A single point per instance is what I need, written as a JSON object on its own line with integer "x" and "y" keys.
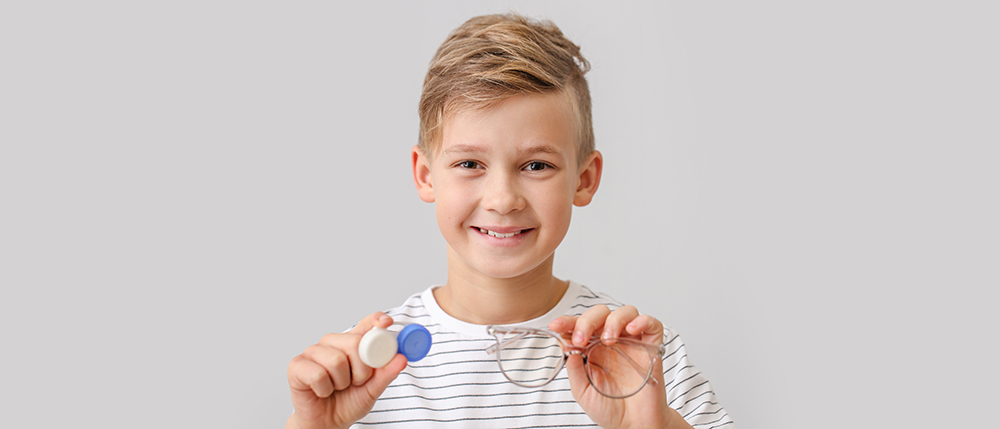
{"x": 384, "y": 319}
{"x": 606, "y": 335}
{"x": 578, "y": 337}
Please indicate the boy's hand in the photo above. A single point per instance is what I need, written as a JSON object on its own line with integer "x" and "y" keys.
{"x": 646, "y": 409}
{"x": 331, "y": 387}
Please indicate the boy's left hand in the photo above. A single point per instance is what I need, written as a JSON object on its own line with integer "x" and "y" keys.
{"x": 646, "y": 409}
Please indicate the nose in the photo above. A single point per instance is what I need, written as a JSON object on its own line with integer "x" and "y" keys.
{"x": 502, "y": 194}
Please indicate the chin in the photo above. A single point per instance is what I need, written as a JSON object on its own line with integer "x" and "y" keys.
{"x": 507, "y": 270}
{"x": 502, "y": 274}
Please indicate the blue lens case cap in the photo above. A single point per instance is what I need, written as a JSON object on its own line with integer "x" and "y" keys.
{"x": 414, "y": 342}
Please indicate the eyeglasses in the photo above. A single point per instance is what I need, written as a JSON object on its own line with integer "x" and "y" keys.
{"x": 617, "y": 368}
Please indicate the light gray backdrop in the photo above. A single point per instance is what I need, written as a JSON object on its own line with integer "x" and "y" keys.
{"x": 192, "y": 192}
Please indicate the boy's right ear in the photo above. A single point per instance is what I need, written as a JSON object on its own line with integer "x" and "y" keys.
{"x": 422, "y": 175}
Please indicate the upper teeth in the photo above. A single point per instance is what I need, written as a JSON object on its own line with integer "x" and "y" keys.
{"x": 498, "y": 234}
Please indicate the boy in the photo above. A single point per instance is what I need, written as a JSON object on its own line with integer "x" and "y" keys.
{"x": 506, "y": 150}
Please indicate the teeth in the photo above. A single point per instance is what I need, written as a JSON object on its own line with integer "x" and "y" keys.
{"x": 498, "y": 234}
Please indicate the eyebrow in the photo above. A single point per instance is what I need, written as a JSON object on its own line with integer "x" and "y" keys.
{"x": 523, "y": 150}
{"x": 464, "y": 148}
{"x": 542, "y": 148}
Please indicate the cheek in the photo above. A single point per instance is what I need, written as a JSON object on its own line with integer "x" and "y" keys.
{"x": 451, "y": 206}
{"x": 558, "y": 207}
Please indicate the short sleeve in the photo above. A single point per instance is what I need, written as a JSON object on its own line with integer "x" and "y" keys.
{"x": 688, "y": 390}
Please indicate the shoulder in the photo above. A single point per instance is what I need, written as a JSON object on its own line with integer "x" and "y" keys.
{"x": 583, "y": 298}
{"x": 413, "y": 310}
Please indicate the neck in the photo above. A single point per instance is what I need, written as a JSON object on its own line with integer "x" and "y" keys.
{"x": 473, "y": 297}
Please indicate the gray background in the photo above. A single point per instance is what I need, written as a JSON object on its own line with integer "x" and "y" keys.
{"x": 194, "y": 191}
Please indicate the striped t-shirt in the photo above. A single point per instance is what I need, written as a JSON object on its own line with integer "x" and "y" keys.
{"x": 457, "y": 385}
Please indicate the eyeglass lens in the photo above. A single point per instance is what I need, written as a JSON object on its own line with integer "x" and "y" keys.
{"x": 531, "y": 361}
{"x": 616, "y": 369}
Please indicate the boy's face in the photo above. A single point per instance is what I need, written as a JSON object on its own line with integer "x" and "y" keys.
{"x": 504, "y": 181}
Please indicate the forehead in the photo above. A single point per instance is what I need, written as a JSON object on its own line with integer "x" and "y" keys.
{"x": 542, "y": 122}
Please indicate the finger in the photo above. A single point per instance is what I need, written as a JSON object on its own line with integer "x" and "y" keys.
{"x": 563, "y": 324}
{"x": 576, "y": 372}
{"x": 588, "y": 323}
{"x": 335, "y": 361}
{"x": 384, "y": 375}
{"x": 377, "y": 319}
{"x": 305, "y": 375}
{"x": 614, "y": 325}
{"x": 648, "y": 328}
{"x": 360, "y": 373}
{"x": 348, "y": 344}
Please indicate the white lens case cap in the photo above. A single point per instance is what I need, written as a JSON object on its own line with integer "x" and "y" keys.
{"x": 378, "y": 346}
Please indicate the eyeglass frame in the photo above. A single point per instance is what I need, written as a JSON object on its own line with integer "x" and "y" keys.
{"x": 568, "y": 349}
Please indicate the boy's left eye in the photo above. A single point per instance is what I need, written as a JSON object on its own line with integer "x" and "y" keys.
{"x": 536, "y": 166}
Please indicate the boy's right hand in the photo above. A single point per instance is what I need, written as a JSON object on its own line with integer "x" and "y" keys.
{"x": 331, "y": 387}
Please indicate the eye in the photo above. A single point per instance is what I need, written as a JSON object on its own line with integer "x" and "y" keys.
{"x": 472, "y": 165}
{"x": 536, "y": 166}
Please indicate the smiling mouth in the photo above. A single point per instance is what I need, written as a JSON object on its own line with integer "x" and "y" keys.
{"x": 501, "y": 234}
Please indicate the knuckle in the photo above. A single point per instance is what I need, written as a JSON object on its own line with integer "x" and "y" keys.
{"x": 626, "y": 312}
{"x": 596, "y": 312}
{"x": 628, "y": 309}
{"x": 311, "y": 351}
{"x": 614, "y": 323}
{"x": 362, "y": 376}
{"x": 340, "y": 341}
{"x": 339, "y": 361}
{"x": 316, "y": 377}
{"x": 600, "y": 308}
{"x": 294, "y": 364}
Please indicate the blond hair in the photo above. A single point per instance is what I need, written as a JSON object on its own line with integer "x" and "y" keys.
{"x": 493, "y": 57}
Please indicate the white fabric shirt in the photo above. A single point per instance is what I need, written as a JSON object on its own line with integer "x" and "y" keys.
{"x": 457, "y": 385}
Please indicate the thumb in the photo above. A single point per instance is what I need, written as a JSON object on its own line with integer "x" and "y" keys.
{"x": 578, "y": 382}
{"x": 383, "y": 376}
{"x": 357, "y": 401}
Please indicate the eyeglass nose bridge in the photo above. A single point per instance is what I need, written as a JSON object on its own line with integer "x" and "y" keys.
{"x": 574, "y": 350}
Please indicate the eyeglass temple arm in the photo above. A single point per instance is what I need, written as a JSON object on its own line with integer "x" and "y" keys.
{"x": 501, "y": 343}
{"x": 635, "y": 365}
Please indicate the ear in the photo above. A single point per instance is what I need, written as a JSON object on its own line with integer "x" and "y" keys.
{"x": 589, "y": 179}
{"x": 422, "y": 175}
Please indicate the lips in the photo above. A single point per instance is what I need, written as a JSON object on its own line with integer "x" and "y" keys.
{"x": 499, "y": 234}
{"x": 502, "y": 232}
